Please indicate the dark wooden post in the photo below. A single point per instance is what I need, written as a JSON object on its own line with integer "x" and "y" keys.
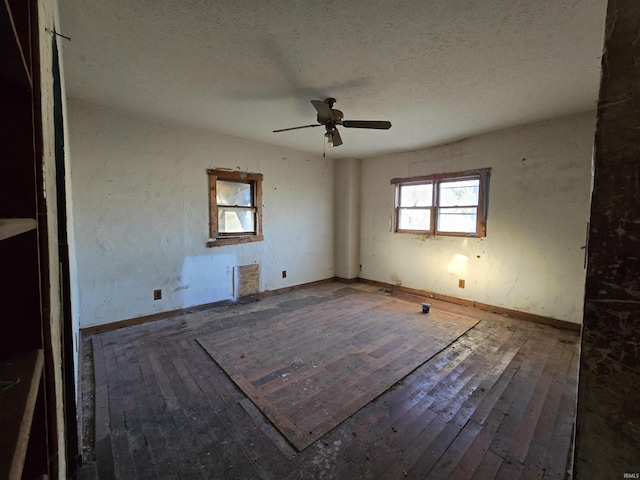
{"x": 608, "y": 415}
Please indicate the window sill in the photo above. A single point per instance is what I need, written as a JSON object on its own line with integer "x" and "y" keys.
{"x": 220, "y": 242}
{"x": 422, "y": 233}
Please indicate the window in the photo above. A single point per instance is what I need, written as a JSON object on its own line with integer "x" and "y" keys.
{"x": 235, "y": 207}
{"x": 446, "y": 204}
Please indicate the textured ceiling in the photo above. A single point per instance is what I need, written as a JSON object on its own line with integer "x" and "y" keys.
{"x": 439, "y": 70}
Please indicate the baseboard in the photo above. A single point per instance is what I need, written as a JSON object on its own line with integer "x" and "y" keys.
{"x": 554, "y": 322}
{"x": 268, "y": 293}
{"x": 347, "y": 280}
{"x": 92, "y": 330}
{"x": 107, "y": 327}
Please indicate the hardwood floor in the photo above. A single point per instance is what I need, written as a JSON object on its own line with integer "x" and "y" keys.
{"x": 499, "y": 403}
{"x": 312, "y": 367}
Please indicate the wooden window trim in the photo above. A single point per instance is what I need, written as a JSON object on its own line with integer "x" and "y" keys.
{"x": 216, "y": 239}
{"x": 482, "y": 174}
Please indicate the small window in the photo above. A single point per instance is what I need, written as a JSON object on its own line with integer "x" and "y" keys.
{"x": 235, "y": 207}
{"x": 446, "y": 204}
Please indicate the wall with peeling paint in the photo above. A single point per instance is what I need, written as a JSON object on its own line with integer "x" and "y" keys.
{"x": 141, "y": 216}
{"x": 532, "y": 258}
{"x": 140, "y": 203}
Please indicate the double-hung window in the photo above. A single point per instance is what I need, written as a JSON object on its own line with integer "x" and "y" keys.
{"x": 235, "y": 207}
{"x": 445, "y": 204}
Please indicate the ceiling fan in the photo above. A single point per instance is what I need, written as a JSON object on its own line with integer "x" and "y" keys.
{"x": 330, "y": 118}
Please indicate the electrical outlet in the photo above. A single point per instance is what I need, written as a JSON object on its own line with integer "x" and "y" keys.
{"x": 284, "y": 274}
{"x": 460, "y": 283}
{"x": 157, "y": 294}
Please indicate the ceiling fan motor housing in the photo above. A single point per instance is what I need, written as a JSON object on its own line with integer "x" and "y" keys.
{"x": 336, "y": 119}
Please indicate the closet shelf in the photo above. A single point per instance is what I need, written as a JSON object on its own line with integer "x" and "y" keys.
{"x": 17, "y": 404}
{"x": 10, "y": 227}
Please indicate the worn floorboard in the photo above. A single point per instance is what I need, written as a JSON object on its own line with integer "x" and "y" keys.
{"x": 309, "y": 368}
{"x": 498, "y": 402}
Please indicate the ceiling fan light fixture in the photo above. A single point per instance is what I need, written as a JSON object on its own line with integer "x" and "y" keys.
{"x": 329, "y": 136}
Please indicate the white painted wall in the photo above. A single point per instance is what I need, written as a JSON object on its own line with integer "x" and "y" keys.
{"x": 531, "y": 259}
{"x": 140, "y": 204}
{"x": 141, "y": 216}
{"x": 346, "y": 204}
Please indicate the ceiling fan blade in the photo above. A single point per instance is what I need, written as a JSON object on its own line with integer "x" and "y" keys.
{"x": 377, "y": 124}
{"x": 296, "y": 128}
{"x": 323, "y": 109}
{"x": 337, "y": 140}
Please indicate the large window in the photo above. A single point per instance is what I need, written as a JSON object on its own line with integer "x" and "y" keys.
{"x": 235, "y": 207}
{"x": 446, "y": 204}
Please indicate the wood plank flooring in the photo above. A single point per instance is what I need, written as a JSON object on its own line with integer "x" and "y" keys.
{"x": 311, "y": 367}
{"x": 497, "y": 403}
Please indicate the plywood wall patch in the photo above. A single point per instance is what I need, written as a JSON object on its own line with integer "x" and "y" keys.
{"x": 248, "y": 277}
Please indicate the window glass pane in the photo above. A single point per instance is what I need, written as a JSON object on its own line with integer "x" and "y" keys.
{"x": 233, "y": 193}
{"x": 458, "y": 192}
{"x": 414, "y": 219}
{"x": 235, "y": 220}
{"x": 416, "y": 195}
{"x": 460, "y": 220}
